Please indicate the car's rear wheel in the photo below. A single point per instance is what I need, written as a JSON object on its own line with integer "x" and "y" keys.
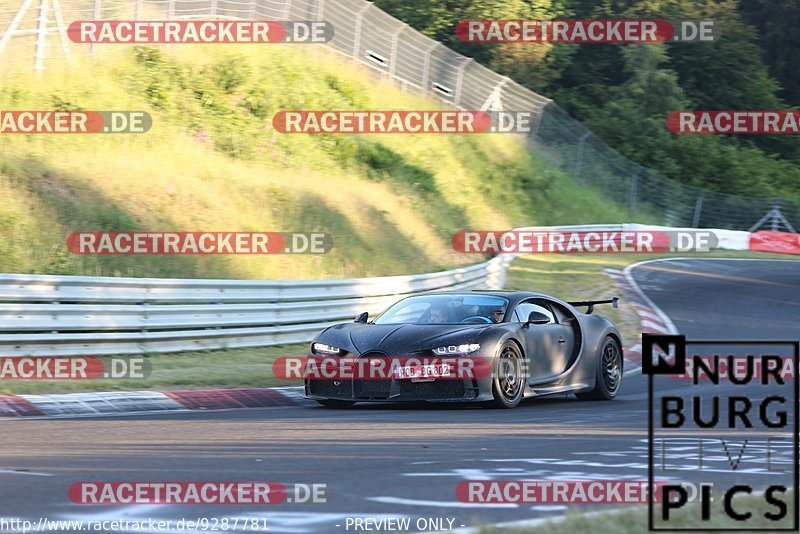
{"x": 609, "y": 372}
{"x": 334, "y": 403}
{"x": 508, "y": 383}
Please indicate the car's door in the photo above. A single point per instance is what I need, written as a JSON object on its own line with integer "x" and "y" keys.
{"x": 548, "y": 346}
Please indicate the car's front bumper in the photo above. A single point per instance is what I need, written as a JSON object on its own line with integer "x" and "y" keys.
{"x": 398, "y": 390}
{"x": 358, "y": 379}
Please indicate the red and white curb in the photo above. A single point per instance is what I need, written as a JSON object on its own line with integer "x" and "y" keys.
{"x": 132, "y": 402}
{"x": 653, "y": 320}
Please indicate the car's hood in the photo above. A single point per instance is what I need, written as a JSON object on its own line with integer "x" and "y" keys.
{"x": 397, "y": 339}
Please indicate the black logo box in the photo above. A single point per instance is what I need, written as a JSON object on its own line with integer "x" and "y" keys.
{"x": 678, "y": 366}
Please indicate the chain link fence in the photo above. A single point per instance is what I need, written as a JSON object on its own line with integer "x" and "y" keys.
{"x": 34, "y": 34}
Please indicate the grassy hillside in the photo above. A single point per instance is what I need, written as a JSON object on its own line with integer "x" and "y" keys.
{"x": 213, "y": 162}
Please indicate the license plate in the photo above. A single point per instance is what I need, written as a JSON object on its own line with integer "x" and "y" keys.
{"x": 424, "y": 373}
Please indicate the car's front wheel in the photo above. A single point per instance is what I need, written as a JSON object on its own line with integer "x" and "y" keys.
{"x": 334, "y": 403}
{"x": 508, "y": 383}
{"x": 609, "y": 372}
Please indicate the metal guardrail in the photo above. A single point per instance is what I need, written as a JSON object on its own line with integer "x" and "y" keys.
{"x": 81, "y": 315}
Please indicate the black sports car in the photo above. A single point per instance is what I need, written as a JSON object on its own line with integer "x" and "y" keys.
{"x": 475, "y": 346}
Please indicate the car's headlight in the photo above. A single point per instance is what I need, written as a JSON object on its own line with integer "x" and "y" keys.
{"x": 321, "y": 348}
{"x": 456, "y": 349}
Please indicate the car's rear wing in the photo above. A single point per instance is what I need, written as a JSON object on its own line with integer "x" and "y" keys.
{"x": 614, "y": 301}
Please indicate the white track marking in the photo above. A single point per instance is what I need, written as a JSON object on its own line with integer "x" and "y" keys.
{"x": 28, "y": 473}
{"x": 670, "y": 326}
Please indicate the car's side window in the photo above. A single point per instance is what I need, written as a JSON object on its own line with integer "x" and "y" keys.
{"x": 524, "y": 309}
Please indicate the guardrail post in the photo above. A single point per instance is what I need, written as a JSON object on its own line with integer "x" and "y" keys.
{"x": 288, "y": 11}
{"x": 460, "y": 81}
{"x": 212, "y": 11}
{"x": 320, "y": 9}
{"x": 137, "y": 10}
{"x": 579, "y": 155}
{"x": 393, "y": 54}
{"x": 171, "y": 10}
{"x": 357, "y": 39}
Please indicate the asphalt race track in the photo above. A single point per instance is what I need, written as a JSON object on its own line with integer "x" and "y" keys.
{"x": 399, "y": 461}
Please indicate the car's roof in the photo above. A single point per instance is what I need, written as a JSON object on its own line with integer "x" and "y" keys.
{"x": 513, "y": 296}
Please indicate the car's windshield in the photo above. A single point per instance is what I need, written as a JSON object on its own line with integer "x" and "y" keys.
{"x": 446, "y": 309}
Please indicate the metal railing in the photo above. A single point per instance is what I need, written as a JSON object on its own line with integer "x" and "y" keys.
{"x": 71, "y": 315}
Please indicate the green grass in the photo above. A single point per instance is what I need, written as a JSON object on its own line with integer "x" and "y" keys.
{"x": 634, "y": 521}
{"x": 250, "y": 367}
{"x": 212, "y": 161}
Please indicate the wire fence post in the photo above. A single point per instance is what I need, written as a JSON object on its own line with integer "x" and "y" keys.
{"x": 12, "y": 28}
{"x": 426, "y": 67}
{"x": 98, "y": 6}
{"x": 634, "y": 192}
{"x": 698, "y": 206}
{"x": 393, "y": 54}
{"x": 357, "y": 38}
{"x": 776, "y": 211}
{"x": 776, "y": 219}
{"x": 537, "y": 122}
{"x": 41, "y": 36}
{"x": 494, "y": 102}
{"x": 460, "y": 81}
{"x": 579, "y": 154}
{"x": 62, "y": 31}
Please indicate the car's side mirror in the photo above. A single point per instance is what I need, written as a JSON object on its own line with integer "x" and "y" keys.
{"x": 362, "y": 317}
{"x": 536, "y": 317}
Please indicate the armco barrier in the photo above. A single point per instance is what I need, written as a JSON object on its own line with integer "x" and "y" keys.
{"x": 71, "y": 315}
{"x": 81, "y": 315}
